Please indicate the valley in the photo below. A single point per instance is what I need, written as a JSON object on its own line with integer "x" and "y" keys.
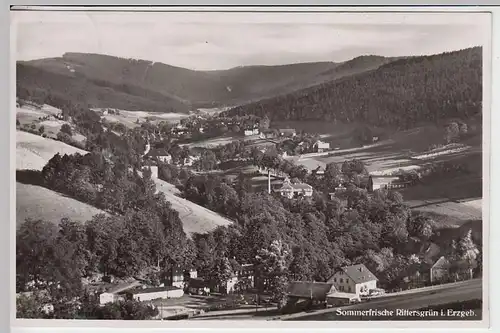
{"x": 304, "y": 169}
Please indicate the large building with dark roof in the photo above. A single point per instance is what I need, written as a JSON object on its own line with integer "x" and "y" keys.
{"x": 356, "y": 279}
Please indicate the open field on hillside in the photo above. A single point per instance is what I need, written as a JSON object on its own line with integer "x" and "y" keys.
{"x": 448, "y": 213}
{"x": 220, "y": 141}
{"x": 31, "y": 116}
{"x": 195, "y": 218}
{"x": 37, "y": 202}
{"x": 129, "y": 118}
{"x": 443, "y": 237}
{"x": 211, "y": 143}
{"x": 28, "y": 114}
{"x": 34, "y": 151}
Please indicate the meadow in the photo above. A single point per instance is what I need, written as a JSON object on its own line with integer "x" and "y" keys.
{"x": 28, "y": 116}
{"x": 195, "y": 218}
{"x": 37, "y": 202}
{"x": 34, "y": 151}
{"x": 129, "y": 118}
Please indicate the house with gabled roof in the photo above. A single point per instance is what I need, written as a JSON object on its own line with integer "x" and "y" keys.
{"x": 291, "y": 190}
{"x": 356, "y": 279}
{"x": 320, "y": 146}
{"x": 161, "y": 154}
{"x": 440, "y": 271}
{"x": 114, "y": 293}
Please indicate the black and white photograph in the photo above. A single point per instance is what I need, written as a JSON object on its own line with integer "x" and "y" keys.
{"x": 266, "y": 165}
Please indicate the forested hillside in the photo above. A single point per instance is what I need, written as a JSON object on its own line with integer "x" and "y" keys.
{"x": 40, "y": 85}
{"x": 145, "y": 85}
{"x": 400, "y": 93}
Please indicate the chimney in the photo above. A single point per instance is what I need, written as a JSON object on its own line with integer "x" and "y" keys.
{"x": 269, "y": 181}
{"x": 361, "y": 269}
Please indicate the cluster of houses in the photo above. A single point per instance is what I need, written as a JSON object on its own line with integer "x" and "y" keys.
{"x": 179, "y": 282}
{"x": 347, "y": 284}
{"x": 161, "y": 154}
{"x": 371, "y": 183}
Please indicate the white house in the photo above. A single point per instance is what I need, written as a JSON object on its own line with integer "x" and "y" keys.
{"x": 105, "y": 298}
{"x": 160, "y": 154}
{"x": 320, "y": 146}
{"x": 290, "y": 189}
{"x": 254, "y": 131}
{"x": 356, "y": 279}
{"x": 230, "y": 285}
{"x": 178, "y": 277}
{"x": 150, "y": 294}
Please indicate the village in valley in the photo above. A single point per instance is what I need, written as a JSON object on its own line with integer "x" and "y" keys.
{"x": 262, "y": 210}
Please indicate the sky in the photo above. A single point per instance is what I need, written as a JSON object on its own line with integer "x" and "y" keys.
{"x": 209, "y": 41}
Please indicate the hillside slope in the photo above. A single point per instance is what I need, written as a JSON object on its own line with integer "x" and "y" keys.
{"x": 34, "y": 151}
{"x": 107, "y": 81}
{"x": 400, "y": 93}
{"x": 36, "y": 202}
{"x": 195, "y": 218}
{"x": 38, "y": 83}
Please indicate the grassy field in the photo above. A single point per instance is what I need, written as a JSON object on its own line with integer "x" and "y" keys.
{"x": 448, "y": 213}
{"x": 37, "y": 202}
{"x": 195, "y": 218}
{"x": 30, "y": 116}
{"x": 129, "y": 118}
{"x": 34, "y": 151}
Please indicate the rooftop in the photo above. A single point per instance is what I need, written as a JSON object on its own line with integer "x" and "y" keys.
{"x": 123, "y": 287}
{"x": 359, "y": 273}
{"x": 311, "y": 164}
{"x": 153, "y": 290}
{"x": 287, "y": 186}
{"x": 197, "y": 283}
{"x": 287, "y": 130}
{"x": 338, "y": 294}
{"x": 307, "y": 289}
{"x": 158, "y": 152}
{"x": 442, "y": 263}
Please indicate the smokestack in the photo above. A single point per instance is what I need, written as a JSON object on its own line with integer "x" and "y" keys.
{"x": 269, "y": 181}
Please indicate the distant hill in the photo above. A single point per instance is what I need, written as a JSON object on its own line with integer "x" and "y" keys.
{"x": 37, "y": 83}
{"x": 107, "y": 81}
{"x": 398, "y": 93}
